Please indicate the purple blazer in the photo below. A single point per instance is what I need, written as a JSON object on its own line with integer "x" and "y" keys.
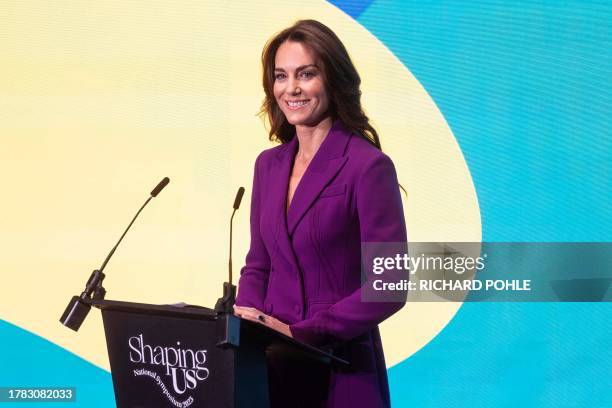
{"x": 304, "y": 265}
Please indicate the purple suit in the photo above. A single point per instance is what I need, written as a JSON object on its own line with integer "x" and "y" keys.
{"x": 305, "y": 268}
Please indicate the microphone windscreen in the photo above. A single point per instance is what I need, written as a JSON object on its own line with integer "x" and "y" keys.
{"x": 238, "y": 199}
{"x": 160, "y": 187}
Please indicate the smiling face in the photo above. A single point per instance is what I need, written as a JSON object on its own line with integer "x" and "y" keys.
{"x": 299, "y": 87}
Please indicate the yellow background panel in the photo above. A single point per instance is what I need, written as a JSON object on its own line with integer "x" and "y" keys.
{"x": 100, "y": 100}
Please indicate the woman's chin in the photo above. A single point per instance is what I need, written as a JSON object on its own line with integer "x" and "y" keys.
{"x": 301, "y": 120}
{"x": 296, "y": 120}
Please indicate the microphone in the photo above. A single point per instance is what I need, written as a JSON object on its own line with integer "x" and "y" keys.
{"x": 225, "y": 304}
{"x": 79, "y": 306}
{"x": 160, "y": 186}
{"x": 237, "y": 201}
{"x": 238, "y": 198}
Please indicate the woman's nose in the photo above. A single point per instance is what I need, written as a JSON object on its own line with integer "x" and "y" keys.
{"x": 294, "y": 87}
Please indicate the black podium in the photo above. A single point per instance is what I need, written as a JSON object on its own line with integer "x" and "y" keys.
{"x": 169, "y": 356}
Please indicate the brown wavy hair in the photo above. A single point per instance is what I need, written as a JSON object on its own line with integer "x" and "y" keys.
{"x": 340, "y": 77}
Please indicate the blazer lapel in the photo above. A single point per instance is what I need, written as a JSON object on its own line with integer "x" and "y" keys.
{"x": 279, "y": 192}
{"x": 324, "y": 166}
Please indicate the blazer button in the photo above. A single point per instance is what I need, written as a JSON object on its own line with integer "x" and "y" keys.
{"x": 297, "y": 309}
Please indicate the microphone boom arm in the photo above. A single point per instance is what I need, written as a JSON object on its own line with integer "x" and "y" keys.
{"x": 79, "y": 306}
{"x": 225, "y": 304}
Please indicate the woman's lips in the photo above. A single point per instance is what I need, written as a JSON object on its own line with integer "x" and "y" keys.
{"x": 294, "y": 105}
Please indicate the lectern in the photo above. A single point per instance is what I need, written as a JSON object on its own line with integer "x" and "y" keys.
{"x": 169, "y": 356}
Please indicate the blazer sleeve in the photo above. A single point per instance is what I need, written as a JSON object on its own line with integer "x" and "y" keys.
{"x": 381, "y": 219}
{"x": 253, "y": 282}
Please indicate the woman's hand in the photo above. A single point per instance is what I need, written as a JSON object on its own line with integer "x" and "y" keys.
{"x": 250, "y": 313}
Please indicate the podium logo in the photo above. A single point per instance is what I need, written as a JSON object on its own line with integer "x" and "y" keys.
{"x": 185, "y": 366}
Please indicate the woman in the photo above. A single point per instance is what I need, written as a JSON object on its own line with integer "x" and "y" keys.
{"x": 326, "y": 189}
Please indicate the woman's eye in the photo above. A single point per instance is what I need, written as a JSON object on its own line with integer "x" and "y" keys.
{"x": 308, "y": 74}
{"x": 279, "y": 76}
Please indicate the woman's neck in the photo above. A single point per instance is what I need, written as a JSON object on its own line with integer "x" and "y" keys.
{"x": 310, "y": 138}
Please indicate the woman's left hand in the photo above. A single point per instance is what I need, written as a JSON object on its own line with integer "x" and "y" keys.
{"x": 250, "y": 313}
